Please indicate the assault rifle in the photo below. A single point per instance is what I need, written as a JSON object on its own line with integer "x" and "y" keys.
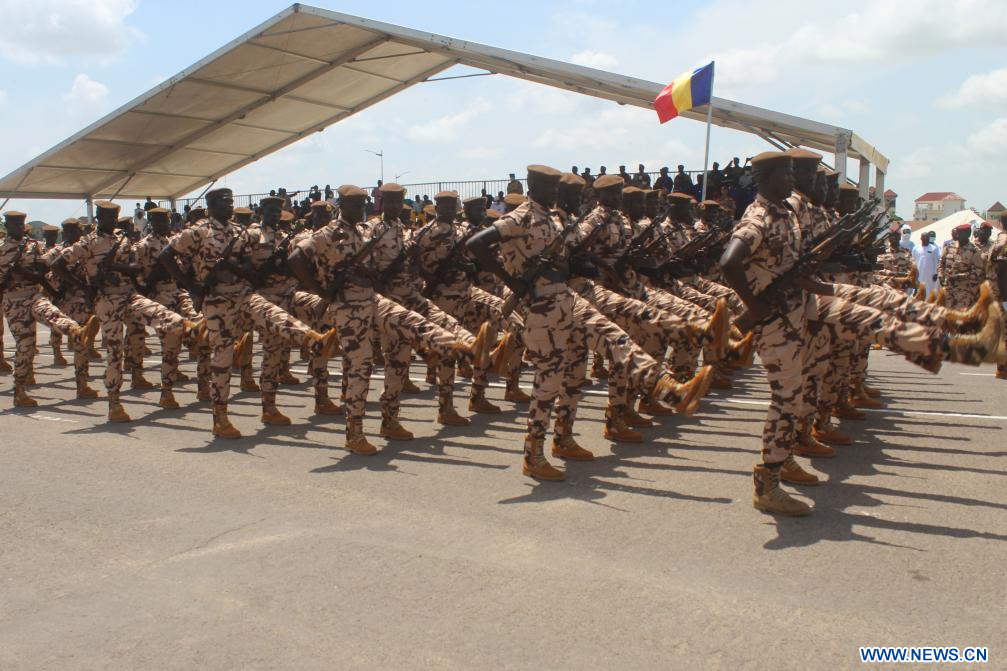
{"x": 102, "y": 277}
{"x": 408, "y": 249}
{"x": 847, "y": 232}
{"x": 345, "y": 270}
{"x": 212, "y": 276}
{"x": 277, "y": 260}
{"x": 448, "y": 262}
{"x": 9, "y": 274}
{"x": 551, "y": 258}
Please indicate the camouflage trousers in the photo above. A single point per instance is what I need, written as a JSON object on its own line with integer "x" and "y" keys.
{"x": 402, "y": 331}
{"x": 75, "y": 306}
{"x": 780, "y": 344}
{"x": 117, "y": 309}
{"x": 548, "y": 333}
{"x": 711, "y": 288}
{"x": 960, "y": 294}
{"x": 894, "y": 302}
{"x": 178, "y": 301}
{"x": 309, "y": 309}
{"x": 23, "y": 308}
{"x": 683, "y": 359}
{"x": 474, "y": 308}
{"x": 230, "y": 312}
{"x": 413, "y": 300}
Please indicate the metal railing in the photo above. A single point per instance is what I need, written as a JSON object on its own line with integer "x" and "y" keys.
{"x": 464, "y": 188}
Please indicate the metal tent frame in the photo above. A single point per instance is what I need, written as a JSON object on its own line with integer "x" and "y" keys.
{"x": 307, "y": 68}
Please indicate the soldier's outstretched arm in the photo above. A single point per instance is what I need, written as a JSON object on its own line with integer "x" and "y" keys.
{"x": 732, "y": 264}
{"x": 60, "y": 269}
{"x": 480, "y": 246}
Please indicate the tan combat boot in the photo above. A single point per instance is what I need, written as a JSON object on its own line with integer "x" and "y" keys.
{"x": 976, "y": 315}
{"x": 792, "y": 472}
{"x": 859, "y": 398}
{"x": 871, "y": 392}
{"x": 514, "y": 394}
{"x": 356, "y": 441}
{"x": 5, "y": 367}
{"x": 222, "y": 427}
{"x": 825, "y": 432}
{"x": 138, "y": 381}
{"x": 617, "y": 431}
{"x": 22, "y": 399}
{"x": 565, "y": 447}
{"x": 634, "y": 420}
{"x": 809, "y": 446}
{"x": 479, "y": 404}
{"x": 502, "y": 358}
{"x": 392, "y": 430}
{"x": 202, "y": 390}
{"x": 845, "y": 410}
{"x": 649, "y": 406}
{"x": 449, "y": 417}
{"x": 116, "y": 413}
{"x": 324, "y": 406}
{"x": 719, "y": 378}
{"x": 85, "y": 391}
{"x": 684, "y": 398}
{"x": 598, "y": 369}
{"x": 535, "y": 465}
{"x": 248, "y": 382}
{"x": 769, "y": 498}
{"x": 271, "y": 415}
{"x": 982, "y": 347}
{"x": 58, "y": 359}
{"x": 167, "y": 400}
{"x": 409, "y": 387}
{"x": 319, "y": 344}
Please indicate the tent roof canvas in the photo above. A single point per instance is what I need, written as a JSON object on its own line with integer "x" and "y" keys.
{"x": 942, "y": 228}
{"x": 303, "y": 70}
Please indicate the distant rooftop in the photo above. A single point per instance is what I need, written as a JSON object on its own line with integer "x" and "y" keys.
{"x": 935, "y": 196}
{"x": 996, "y": 207}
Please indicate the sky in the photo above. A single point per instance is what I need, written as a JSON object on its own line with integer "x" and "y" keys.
{"x": 923, "y": 81}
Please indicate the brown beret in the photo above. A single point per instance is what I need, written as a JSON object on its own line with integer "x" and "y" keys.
{"x": 218, "y": 193}
{"x": 71, "y": 222}
{"x": 709, "y": 203}
{"x": 446, "y": 195}
{"x": 514, "y": 199}
{"x": 107, "y": 205}
{"x": 492, "y": 214}
{"x": 803, "y": 155}
{"x": 474, "y": 200}
{"x": 49, "y": 228}
{"x": 244, "y": 211}
{"x": 633, "y": 190}
{"x": 351, "y": 191}
{"x": 392, "y": 187}
{"x": 680, "y": 197}
{"x": 197, "y": 212}
{"x": 14, "y": 215}
{"x": 766, "y": 158}
{"x": 322, "y": 205}
{"x": 271, "y": 200}
{"x": 607, "y": 182}
{"x": 287, "y": 215}
{"x": 651, "y": 194}
{"x": 157, "y": 214}
{"x": 125, "y": 221}
{"x": 986, "y": 224}
{"x": 832, "y": 175}
{"x": 961, "y": 228}
{"x": 429, "y": 209}
{"x": 847, "y": 187}
{"x": 570, "y": 179}
{"x": 544, "y": 172}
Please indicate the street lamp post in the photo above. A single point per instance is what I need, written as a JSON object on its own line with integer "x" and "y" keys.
{"x": 381, "y": 155}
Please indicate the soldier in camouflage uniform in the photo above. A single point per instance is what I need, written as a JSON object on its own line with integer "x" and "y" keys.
{"x": 895, "y": 266}
{"x": 340, "y": 253}
{"x": 997, "y": 271}
{"x": 160, "y": 287}
{"x": 962, "y": 269}
{"x": 218, "y": 250}
{"x": 559, "y": 325}
{"x": 107, "y": 263}
{"x": 22, "y": 273}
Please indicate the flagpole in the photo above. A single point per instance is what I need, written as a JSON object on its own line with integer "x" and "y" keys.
{"x": 709, "y": 122}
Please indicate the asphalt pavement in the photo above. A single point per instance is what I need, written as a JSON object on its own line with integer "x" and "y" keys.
{"x": 153, "y": 546}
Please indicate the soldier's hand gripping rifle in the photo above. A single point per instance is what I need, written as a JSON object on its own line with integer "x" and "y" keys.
{"x": 9, "y": 274}
{"x": 212, "y": 276}
{"x": 406, "y": 253}
{"x": 838, "y": 238}
{"x": 551, "y": 258}
{"x": 102, "y": 277}
{"x": 277, "y": 260}
{"x": 347, "y": 269}
{"x": 449, "y": 262}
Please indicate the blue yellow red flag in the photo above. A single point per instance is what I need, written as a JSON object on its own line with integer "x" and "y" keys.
{"x": 692, "y": 89}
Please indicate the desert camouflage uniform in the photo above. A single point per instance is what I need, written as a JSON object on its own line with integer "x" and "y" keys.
{"x": 893, "y": 265}
{"x": 998, "y": 255}
{"x": 962, "y": 270}
{"x": 167, "y": 292}
{"x": 118, "y": 304}
{"x": 24, "y": 304}
{"x": 773, "y": 236}
{"x": 232, "y": 308}
{"x": 75, "y": 305}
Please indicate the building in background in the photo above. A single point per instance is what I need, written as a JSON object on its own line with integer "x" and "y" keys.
{"x": 936, "y": 205}
{"x": 890, "y": 197}
{"x": 995, "y": 211}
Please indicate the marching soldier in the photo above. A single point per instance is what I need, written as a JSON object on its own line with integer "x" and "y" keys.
{"x": 22, "y": 275}
{"x": 216, "y": 248}
{"x": 962, "y": 269}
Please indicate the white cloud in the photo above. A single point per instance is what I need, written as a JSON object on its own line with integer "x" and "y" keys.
{"x": 448, "y": 127}
{"x": 3, "y": 98}
{"x": 984, "y": 89}
{"x": 51, "y": 32}
{"x": 915, "y": 165}
{"x": 989, "y": 141}
{"x": 85, "y": 92}
{"x": 595, "y": 59}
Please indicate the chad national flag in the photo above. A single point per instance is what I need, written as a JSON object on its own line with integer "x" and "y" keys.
{"x": 690, "y": 90}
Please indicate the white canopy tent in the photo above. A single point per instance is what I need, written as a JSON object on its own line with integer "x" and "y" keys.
{"x": 942, "y": 227}
{"x": 308, "y": 68}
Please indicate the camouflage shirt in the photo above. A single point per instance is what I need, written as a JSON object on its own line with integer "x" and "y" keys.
{"x": 997, "y": 254}
{"x": 33, "y": 254}
{"x": 203, "y": 243}
{"x": 962, "y": 267}
{"x": 894, "y": 264}
{"x": 524, "y": 234}
{"x": 90, "y": 253}
{"x": 396, "y": 237}
{"x": 435, "y": 242}
{"x": 334, "y": 244}
{"x": 146, "y": 251}
{"x": 264, "y": 240}
{"x": 773, "y": 236}
{"x": 611, "y": 241}
{"x": 813, "y": 219}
